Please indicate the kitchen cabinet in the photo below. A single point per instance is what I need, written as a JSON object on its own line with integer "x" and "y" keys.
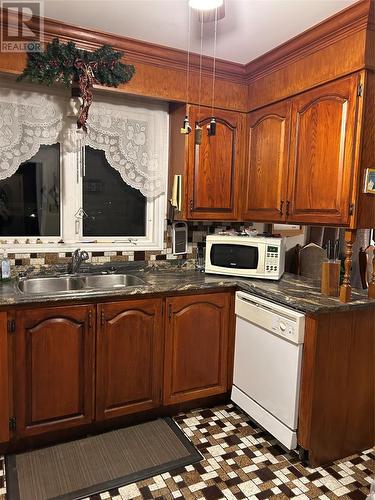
{"x": 302, "y": 157}
{"x": 210, "y": 170}
{"x": 265, "y": 179}
{"x": 196, "y": 347}
{"x": 129, "y": 357}
{"x": 53, "y": 375}
{"x": 321, "y": 161}
{"x": 337, "y": 402}
{"x": 4, "y": 380}
{"x": 86, "y": 364}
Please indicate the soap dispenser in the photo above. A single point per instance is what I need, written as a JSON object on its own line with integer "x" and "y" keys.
{"x": 5, "y": 267}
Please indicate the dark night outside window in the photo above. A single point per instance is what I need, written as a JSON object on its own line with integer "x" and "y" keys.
{"x": 30, "y": 199}
{"x": 113, "y": 208}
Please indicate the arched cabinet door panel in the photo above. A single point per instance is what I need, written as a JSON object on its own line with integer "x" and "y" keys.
{"x": 196, "y": 347}
{"x": 129, "y": 357}
{"x": 265, "y": 180}
{"x": 321, "y": 166}
{"x": 54, "y": 353}
{"x": 214, "y": 165}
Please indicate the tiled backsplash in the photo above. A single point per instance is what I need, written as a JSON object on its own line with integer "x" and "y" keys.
{"x": 197, "y": 232}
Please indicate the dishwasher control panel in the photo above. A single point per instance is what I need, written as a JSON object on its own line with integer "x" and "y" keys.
{"x": 280, "y": 320}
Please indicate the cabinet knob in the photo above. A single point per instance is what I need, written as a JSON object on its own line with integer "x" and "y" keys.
{"x": 191, "y": 205}
{"x": 287, "y": 207}
{"x": 169, "y": 311}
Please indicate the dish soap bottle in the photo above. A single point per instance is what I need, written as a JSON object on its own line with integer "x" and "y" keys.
{"x": 5, "y": 267}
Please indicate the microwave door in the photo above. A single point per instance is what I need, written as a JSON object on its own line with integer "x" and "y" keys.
{"x": 237, "y": 256}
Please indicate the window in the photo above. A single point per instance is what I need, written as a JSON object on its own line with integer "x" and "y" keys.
{"x": 30, "y": 199}
{"x": 100, "y": 196}
{"x": 111, "y": 207}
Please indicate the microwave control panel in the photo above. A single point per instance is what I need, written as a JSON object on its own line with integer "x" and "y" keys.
{"x": 272, "y": 259}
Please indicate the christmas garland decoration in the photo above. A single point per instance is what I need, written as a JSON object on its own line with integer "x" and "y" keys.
{"x": 79, "y": 69}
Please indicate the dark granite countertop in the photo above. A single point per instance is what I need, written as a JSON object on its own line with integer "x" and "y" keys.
{"x": 296, "y": 292}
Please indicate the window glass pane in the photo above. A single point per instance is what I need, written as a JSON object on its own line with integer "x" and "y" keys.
{"x": 113, "y": 208}
{"x": 30, "y": 199}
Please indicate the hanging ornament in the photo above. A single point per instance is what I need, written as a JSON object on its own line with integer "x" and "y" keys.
{"x": 186, "y": 128}
{"x": 211, "y": 127}
{"x": 79, "y": 69}
{"x": 198, "y": 128}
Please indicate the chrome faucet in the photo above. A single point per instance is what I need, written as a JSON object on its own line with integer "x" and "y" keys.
{"x": 78, "y": 256}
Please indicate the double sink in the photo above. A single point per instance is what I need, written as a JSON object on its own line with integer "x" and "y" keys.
{"x": 66, "y": 283}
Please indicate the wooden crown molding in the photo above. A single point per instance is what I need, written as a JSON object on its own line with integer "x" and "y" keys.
{"x": 135, "y": 50}
{"x": 359, "y": 16}
{"x": 341, "y": 25}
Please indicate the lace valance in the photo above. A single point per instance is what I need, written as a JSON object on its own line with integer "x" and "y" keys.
{"x": 133, "y": 137}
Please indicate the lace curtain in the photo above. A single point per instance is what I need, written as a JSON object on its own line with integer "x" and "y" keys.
{"x": 133, "y": 137}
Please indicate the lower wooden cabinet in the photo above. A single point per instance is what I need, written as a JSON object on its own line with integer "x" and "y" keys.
{"x": 53, "y": 376}
{"x": 80, "y": 364}
{"x": 129, "y": 357}
{"x": 196, "y": 347}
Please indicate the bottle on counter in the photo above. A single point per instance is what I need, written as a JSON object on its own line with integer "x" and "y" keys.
{"x": 5, "y": 267}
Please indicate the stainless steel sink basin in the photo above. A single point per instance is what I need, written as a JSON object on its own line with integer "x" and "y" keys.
{"x": 76, "y": 283}
{"x": 112, "y": 281}
{"x": 51, "y": 285}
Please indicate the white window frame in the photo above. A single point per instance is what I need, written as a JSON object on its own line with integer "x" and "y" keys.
{"x": 71, "y": 194}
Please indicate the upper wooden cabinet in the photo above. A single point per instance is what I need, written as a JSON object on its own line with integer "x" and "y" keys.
{"x": 265, "y": 179}
{"x": 196, "y": 347}
{"x": 129, "y": 357}
{"x": 54, "y": 353}
{"x": 210, "y": 170}
{"x": 321, "y": 162}
{"x": 303, "y": 162}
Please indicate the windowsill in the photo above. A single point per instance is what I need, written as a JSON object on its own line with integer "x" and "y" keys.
{"x": 21, "y": 248}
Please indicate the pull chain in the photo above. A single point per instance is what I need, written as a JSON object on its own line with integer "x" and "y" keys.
{"x": 186, "y": 128}
{"x": 198, "y": 129}
{"x": 211, "y": 128}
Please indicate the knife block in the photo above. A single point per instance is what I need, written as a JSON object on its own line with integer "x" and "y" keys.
{"x": 330, "y": 278}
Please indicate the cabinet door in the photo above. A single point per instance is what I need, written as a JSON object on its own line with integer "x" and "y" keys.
{"x": 214, "y": 166}
{"x": 321, "y": 166}
{"x": 129, "y": 357}
{"x": 196, "y": 347}
{"x": 4, "y": 380}
{"x": 266, "y": 173}
{"x": 53, "y": 368}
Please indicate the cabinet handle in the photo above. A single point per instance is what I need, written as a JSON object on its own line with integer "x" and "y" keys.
{"x": 287, "y": 207}
{"x": 169, "y": 311}
{"x": 102, "y": 318}
{"x": 191, "y": 206}
{"x": 281, "y": 207}
{"x": 90, "y": 319}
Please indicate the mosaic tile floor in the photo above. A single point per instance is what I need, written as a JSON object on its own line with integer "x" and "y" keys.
{"x": 242, "y": 461}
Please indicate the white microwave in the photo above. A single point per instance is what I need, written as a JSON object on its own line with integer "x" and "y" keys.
{"x": 245, "y": 256}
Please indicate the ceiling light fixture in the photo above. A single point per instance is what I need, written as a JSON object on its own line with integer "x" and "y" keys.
{"x": 205, "y": 4}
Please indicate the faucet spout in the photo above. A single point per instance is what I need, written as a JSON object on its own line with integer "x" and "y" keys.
{"x": 78, "y": 256}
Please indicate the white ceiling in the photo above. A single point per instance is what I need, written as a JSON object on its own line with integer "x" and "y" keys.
{"x": 249, "y": 29}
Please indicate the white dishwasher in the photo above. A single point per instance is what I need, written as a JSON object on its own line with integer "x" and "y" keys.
{"x": 267, "y": 365}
